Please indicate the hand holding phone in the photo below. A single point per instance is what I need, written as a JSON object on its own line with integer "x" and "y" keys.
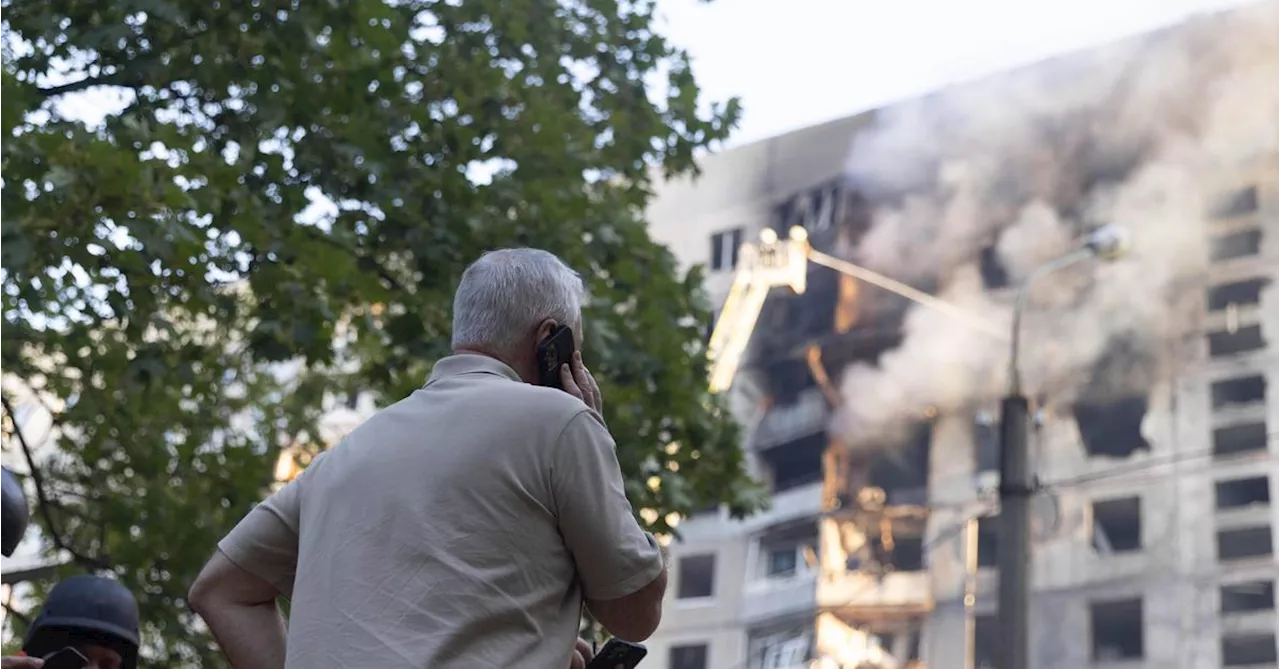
{"x": 553, "y": 352}
{"x": 618, "y": 653}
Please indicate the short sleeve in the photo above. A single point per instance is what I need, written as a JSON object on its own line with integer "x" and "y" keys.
{"x": 614, "y": 556}
{"x": 265, "y": 542}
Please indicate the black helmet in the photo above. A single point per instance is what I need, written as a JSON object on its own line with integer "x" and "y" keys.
{"x": 88, "y": 609}
{"x": 14, "y": 513}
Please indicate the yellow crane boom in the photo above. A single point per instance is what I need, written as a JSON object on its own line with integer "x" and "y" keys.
{"x": 761, "y": 267}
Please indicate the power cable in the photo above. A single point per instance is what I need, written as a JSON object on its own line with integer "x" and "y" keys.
{"x": 1158, "y": 461}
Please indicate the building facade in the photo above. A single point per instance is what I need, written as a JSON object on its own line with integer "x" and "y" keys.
{"x": 1154, "y": 530}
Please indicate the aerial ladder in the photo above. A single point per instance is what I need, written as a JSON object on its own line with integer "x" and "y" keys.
{"x": 770, "y": 264}
{"x": 775, "y": 263}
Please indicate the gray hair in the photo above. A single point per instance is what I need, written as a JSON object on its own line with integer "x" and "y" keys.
{"x": 506, "y": 293}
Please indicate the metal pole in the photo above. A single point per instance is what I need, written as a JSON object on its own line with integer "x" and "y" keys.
{"x": 1019, "y": 305}
{"x": 1014, "y": 550}
{"x": 970, "y": 592}
{"x": 1016, "y": 487}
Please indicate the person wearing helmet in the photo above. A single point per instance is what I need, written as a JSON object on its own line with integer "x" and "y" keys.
{"x": 95, "y": 615}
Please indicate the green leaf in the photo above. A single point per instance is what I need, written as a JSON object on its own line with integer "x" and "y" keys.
{"x": 199, "y": 259}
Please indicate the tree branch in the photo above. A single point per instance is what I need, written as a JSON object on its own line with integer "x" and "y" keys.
{"x": 113, "y": 79}
{"x": 44, "y": 504}
{"x": 383, "y": 273}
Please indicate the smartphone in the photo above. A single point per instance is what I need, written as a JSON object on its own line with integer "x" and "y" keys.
{"x": 67, "y": 658}
{"x": 618, "y": 653}
{"x": 555, "y": 350}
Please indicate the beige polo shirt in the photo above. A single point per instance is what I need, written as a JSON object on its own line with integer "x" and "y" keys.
{"x": 460, "y": 527}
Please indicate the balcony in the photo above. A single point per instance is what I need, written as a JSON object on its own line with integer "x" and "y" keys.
{"x": 769, "y": 599}
{"x": 800, "y": 502}
{"x": 782, "y": 424}
{"x": 781, "y": 567}
{"x": 854, "y": 592}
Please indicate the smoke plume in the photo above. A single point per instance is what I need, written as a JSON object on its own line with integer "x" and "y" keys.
{"x": 1140, "y": 134}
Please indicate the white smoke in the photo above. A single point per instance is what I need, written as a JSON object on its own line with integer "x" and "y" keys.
{"x": 1138, "y": 134}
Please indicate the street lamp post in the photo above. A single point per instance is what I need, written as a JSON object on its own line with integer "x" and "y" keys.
{"x": 1016, "y": 484}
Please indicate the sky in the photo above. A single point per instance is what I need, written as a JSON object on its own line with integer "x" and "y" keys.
{"x": 795, "y": 63}
{"x": 824, "y": 59}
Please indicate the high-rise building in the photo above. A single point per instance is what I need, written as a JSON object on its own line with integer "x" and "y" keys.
{"x": 872, "y": 416}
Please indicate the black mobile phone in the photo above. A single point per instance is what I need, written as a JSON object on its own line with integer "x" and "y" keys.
{"x": 67, "y": 658}
{"x": 618, "y": 653}
{"x": 555, "y": 350}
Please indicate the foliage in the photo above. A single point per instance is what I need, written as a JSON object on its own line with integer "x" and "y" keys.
{"x": 304, "y": 182}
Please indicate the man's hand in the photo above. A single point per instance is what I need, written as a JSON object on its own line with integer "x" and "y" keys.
{"x": 577, "y": 381}
{"x": 29, "y": 662}
{"x": 582, "y": 655}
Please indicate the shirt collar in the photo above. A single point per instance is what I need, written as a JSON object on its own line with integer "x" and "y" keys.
{"x": 471, "y": 363}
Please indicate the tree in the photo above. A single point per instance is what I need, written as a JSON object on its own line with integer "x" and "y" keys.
{"x": 291, "y": 181}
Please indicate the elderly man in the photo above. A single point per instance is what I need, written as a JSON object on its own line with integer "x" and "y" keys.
{"x": 463, "y": 526}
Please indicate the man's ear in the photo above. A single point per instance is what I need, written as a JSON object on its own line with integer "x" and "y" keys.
{"x": 545, "y": 329}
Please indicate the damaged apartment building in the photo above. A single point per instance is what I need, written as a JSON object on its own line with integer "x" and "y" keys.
{"x": 1153, "y": 532}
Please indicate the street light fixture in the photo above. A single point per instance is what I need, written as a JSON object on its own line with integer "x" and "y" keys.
{"x": 1108, "y": 242}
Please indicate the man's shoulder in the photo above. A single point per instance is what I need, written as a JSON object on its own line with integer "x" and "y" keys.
{"x": 548, "y": 403}
{"x": 518, "y": 403}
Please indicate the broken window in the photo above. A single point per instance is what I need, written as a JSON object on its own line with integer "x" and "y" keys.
{"x": 796, "y": 463}
{"x": 1235, "y": 245}
{"x": 1117, "y": 630}
{"x": 1236, "y": 341}
{"x": 992, "y": 270}
{"x": 1241, "y": 438}
{"x": 1240, "y": 650}
{"x": 1241, "y": 390}
{"x": 1114, "y": 429}
{"x": 907, "y": 553}
{"x": 1246, "y": 597}
{"x": 1245, "y": 543}
{"x": 697, "y": 575}
{"x": 815, "y": 210}
{"x": 786, "y": 379}
{"x": 724, "y": 249}
{"x": 988, "y": 538}
{"x": 1243, "y": 492}
{"x": 986, "y": 444}
{"x": 903, "y": 471}
{"x": 688, "y": 656}
{"x": 786, "y": 319}
{"x": 1117, "y": 525}
{"x": 1240, "y": 293}
{"x": 1235, "y": 203}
